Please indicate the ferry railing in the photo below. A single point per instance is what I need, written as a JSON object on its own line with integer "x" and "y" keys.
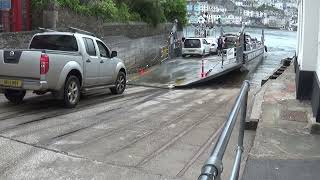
{"x": 213, "y": 167}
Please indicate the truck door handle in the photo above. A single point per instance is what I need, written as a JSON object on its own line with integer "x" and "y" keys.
{"x": 101, "y": 61}
{"x": 88, "y": 61}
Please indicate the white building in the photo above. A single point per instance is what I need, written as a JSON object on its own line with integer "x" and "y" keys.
{"x": 274, "y": 21}
{"x": 247, "y": 22}
{"x": 291, "y": 5}
{"x": 232, "y": 19}
{"x": 217, "y": 9}
{"x": 279, "y": 5}
{"x": 193, "y": 19}
{"x": 248, "y": 13}
{"x": 307, "y": 64}
{"x": 205, "y": 7}
{"x": 216, "y": 17}
{"x": 244, "y": 3}
{"x": 252, "y": 13}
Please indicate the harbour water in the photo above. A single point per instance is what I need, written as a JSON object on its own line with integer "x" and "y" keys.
{"x": 281, "y": 44}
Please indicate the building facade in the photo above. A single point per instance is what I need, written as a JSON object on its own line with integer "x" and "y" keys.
{"x": 307, "y": 63}
{"x": 232, "y": 19}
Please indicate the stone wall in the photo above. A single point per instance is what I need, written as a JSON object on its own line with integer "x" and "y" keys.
{"x": 136, "y": 53}
{"x": 15, "y": 40}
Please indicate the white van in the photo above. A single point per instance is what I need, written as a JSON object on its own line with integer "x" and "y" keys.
{"x": 195, "y": 46}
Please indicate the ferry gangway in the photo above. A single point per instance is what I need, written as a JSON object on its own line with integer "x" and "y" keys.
{"x": 213, "y": 167}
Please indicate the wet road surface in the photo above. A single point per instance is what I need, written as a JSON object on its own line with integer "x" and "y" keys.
{"x": 146, "y": 133}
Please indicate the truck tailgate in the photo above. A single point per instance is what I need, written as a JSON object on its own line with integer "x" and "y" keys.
{"x": 20, "y": 63}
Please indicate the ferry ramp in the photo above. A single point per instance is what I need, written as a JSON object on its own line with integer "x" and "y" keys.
{"x": 182, "y": 72}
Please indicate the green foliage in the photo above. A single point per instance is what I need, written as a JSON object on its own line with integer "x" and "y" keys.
{"x": 150, "y": 11}
{"x": 38, "y": 4}
{"x": 175, "y": 9}
{"x": 268, "y": 8}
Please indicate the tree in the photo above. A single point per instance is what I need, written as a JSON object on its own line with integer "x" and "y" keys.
{"x": 175, "y": 9}
{"x": 150, "y": 11}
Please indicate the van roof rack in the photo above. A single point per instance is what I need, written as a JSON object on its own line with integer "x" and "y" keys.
{"x": 76, "y": 30}
{"x": 46, "y": 29}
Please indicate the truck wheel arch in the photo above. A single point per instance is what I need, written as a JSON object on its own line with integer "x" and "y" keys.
{"x": 120, "y": 67}
{"x": 76, "y": 73}
{"x": 71, "y": 68}
{"x": 123, "y": 70}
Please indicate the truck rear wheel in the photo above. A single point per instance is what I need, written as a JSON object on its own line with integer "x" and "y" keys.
{"x": 14, "y": 96}
{"x": 71, "y": 92}
{"x": 120, "y": 85}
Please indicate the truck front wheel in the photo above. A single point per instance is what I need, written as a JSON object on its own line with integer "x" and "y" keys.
{"x": 14, "y": 96}
{"x": 71, "y": 92}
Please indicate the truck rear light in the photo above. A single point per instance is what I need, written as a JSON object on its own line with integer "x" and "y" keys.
{"x": 44, "y": 64}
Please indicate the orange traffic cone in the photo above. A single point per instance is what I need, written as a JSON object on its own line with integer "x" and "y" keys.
{"x": 202, "y": 69}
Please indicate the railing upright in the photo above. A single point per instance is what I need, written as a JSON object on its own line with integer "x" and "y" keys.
{"x": 213, "y": 168}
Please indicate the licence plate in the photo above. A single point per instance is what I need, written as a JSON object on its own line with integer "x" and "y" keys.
{"x": 191, "y": 50}
{"x": 10, "y": 83}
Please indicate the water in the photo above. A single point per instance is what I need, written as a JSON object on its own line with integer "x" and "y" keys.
{"x": 281, "y": 44}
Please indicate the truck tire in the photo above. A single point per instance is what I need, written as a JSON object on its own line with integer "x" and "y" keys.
{"x": 120, "y": 85}
{"x": 14, "y": 96}
{"x": 71, "y": 92}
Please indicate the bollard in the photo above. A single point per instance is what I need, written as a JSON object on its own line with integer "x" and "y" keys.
{"x": 141, "y": 71}
{"x": 202, "y": 69}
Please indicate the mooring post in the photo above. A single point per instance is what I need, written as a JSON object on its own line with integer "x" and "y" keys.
{"x": 222, "y": 58}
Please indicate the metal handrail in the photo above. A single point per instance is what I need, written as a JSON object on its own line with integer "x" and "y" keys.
{"x": 213, "y": 168}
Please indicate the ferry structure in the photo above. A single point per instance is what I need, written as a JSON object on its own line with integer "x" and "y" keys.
{"x": 245, "y": 53}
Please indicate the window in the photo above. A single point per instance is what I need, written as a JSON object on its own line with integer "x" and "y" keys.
{"x": 192, "y": 43}
{"x": 204, "y": 41}
{"x": 104, "y": 51}
{"x": 54, "y": 42}
{"x": 90, "y": 47}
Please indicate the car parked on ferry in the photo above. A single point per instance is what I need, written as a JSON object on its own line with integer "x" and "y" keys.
{"x": 195, "y": 46}
{"x": 213, "y": 45}
{"x": 214, "y": 48}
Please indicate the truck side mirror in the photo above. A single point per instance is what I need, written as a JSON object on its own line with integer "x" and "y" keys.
{"x": 114, "y": 54}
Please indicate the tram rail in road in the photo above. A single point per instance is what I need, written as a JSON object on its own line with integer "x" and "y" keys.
{"x": 146, "y": 132}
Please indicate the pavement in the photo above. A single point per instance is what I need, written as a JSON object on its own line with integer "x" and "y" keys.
{"x": 284, "y": 148}
{"x": 146, "y": 133}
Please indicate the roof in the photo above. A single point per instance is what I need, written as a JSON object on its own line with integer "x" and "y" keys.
{"x": 65, "y": 33}
{"x": 56, "y": 33}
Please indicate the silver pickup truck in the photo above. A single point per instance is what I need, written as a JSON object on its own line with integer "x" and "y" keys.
{"x": 64, "y": 63}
